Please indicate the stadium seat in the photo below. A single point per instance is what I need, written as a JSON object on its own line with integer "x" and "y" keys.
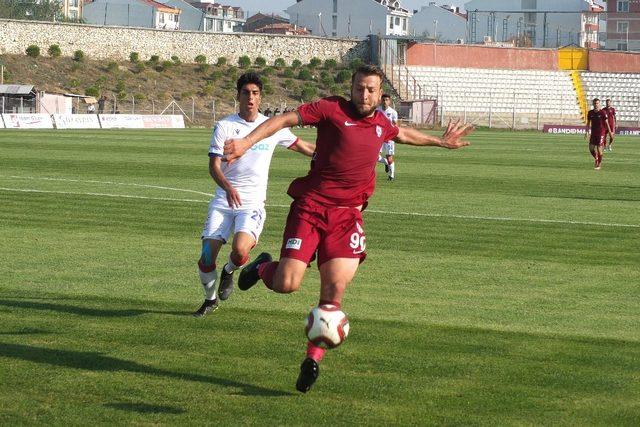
{"x": 472, "y": 90}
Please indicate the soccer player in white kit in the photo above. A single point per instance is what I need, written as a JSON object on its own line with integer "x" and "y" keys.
{"x": 238, "y": 204}
{"x": 388, "y": 147}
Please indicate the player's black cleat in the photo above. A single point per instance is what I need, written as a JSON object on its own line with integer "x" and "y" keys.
{"x": 226, "y": 285}
{"x": 309, "y": 371}
{"x": 207, "y": 307}
{"x": 249, "y": 274}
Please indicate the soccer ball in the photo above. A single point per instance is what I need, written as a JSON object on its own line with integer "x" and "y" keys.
{"x": 327, "y": 326}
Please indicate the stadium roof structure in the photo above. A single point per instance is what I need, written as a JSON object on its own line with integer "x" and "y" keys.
{"x": 17, "y": 90}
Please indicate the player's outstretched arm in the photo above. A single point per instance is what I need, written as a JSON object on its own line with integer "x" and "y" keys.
{"x": 451, "y": 139}
{"x": 234, "y": 148}
{"x": 233, "y": 198}
{"x": 303, "y": 147}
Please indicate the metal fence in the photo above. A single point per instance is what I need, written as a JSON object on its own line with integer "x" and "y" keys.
{"x": 551, "y": 29}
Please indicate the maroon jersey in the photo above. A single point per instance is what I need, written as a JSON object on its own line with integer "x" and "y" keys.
{"x": 343, "y": 166}
{"x": 598, "y": 119}
{"x": 611, "y": 116}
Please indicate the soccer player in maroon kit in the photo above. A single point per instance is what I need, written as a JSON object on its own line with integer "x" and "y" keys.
{"x": 598, "y": 124}
{"x": 611, "y": 118}
{"x": 325, "y": 218}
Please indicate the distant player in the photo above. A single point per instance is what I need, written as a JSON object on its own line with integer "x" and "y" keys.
{"x": 238, "y": 204}
{"x": 325, "y": 219}
{"x": 598, "y": 127}
{"x": 611, "y": 116}
{"x": 388, "y": 147}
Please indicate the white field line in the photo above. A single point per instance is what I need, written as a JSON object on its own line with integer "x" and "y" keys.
{"x": 414, "y": 214}
{"x": 105, "y": 182}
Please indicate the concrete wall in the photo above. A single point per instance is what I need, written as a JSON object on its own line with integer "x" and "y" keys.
{"x": 118, "y": 42}
{"x": 465, "y": 56}
{"x": 614, "y": 62}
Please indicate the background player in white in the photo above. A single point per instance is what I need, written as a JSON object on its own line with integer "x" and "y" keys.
{"x": 388, "y": 147}
{"x": 238, "y": 203}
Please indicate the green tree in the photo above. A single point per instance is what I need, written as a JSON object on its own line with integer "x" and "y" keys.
{"x": 78, "y": 56}
{"x": 33, "y": 51}
{"x": 54, "y": 51}
{"x": 244, "y": 61}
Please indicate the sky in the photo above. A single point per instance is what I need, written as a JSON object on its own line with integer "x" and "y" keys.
{"x": 278, "y": 6}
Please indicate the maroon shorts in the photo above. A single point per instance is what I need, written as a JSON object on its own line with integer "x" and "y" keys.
{"x": 597, "y": 139}
{"x": 327, "y": 233}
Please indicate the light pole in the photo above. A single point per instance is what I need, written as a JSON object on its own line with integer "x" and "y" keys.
{"x": 627, "y": 37}
{"x": 505, "y": 28}
{"x": 435, "y": 30}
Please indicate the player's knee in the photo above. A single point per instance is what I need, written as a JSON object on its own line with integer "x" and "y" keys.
{"x": 287, "y": 283}
{"x": 239, "y": 256}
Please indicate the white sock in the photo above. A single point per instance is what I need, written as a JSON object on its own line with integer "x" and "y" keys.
{"x": 208, "y": 281}
{"x": 382, "y": 160}
{"x": 392, "y": 170}
{"x": 230, "y": 267}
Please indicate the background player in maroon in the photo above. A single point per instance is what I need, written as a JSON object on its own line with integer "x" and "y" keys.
{"x": 611, "y": 118}
{"x": 325, "y": 218}
{"x": 597, "y": 129}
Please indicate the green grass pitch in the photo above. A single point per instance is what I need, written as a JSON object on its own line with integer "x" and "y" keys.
{"x": 501, "y": 288}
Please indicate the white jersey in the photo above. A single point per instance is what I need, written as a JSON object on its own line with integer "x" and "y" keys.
{"x": 248, "y": 174}
{"x": 390, "y": 114}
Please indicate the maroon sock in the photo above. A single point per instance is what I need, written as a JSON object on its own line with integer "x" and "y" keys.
{"x": 314, "y": 352}
{"x": 266, "y": 271}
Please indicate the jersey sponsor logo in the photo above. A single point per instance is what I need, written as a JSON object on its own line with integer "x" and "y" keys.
{"x": 293, "y": 243}
{"x": 378, "y": 131}
{"x": 347, "y": 123}
{"x": 261, "y": 147}
{"x": 237, "y": 131}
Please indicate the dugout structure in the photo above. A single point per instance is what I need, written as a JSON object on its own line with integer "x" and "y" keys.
{"x": 419, "y": 112}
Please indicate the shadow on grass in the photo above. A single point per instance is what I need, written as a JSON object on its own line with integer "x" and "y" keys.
{"x": 84, "y": 311}
{"x": 93, "y": 361}
{"x": 145, "y": 408}
{"x": 26, "y": 331}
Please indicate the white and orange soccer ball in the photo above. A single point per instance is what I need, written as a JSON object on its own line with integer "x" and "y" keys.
{"x": 327, "y": 326}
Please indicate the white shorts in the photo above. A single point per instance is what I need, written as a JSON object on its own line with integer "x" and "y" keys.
{"x": 388, "y": 148}
{"x": 222, "y": 221}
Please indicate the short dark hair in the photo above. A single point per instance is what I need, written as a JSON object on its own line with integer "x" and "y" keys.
{"x": 247, "y": 78}
{"x": 368, "y": 70}
{"x": 596, "y": 99}
{"x": 386, "y": 96}
{"x": 608, "y": 100}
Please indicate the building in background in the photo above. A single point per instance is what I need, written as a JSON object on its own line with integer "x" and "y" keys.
{"x": 132, "y": 13}
{"x": 534, "y": 23}
{"x": 442, "y": 23}
{"x": 623, "y": 25}
{"x": 350, "y": 18}
{"x": 221, "y": 18}
{"x": 284, "y": 29}
{"x": 72, "y": 9}
{"x": 261, "y": 20}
